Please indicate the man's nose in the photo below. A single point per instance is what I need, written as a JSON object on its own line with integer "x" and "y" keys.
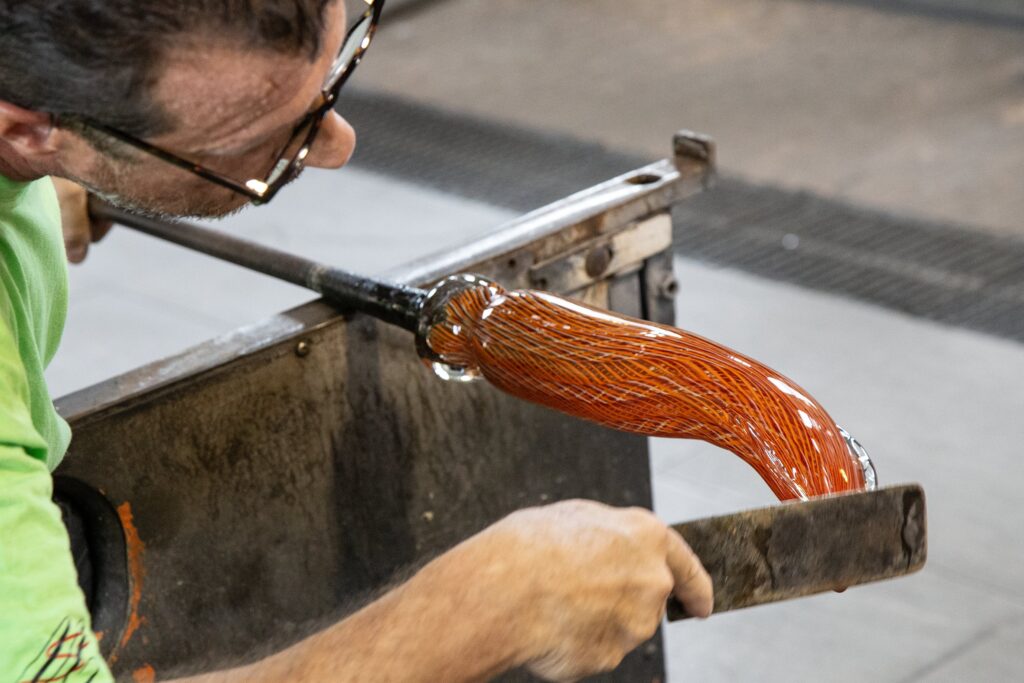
{"x": 334, "y": 144}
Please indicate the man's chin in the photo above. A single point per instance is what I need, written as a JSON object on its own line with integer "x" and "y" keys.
{"x": 181, "y": 207}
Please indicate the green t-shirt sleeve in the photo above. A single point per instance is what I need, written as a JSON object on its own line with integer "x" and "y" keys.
{"x": 45, "y": 631}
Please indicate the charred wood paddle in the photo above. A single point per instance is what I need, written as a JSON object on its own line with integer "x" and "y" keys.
{"x": 621, "y": 372}
{"x": 793, "y": 550}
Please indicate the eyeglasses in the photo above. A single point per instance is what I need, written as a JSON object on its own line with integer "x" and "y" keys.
{"x": 292, "y": 157}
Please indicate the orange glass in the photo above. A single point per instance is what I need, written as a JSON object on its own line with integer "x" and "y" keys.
{"x": 639, "y": 377}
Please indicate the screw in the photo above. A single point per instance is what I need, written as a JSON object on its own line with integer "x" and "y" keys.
{"x": 302, "y": 348}
{"x": 598, "y": 259}
{"x": 669, "y": 287}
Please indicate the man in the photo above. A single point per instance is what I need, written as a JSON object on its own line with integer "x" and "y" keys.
{"x": 197, "y": 107}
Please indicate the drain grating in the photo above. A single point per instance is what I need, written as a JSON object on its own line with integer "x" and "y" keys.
{"x": 943, "y": 272}
{"x": 504, "y": 166}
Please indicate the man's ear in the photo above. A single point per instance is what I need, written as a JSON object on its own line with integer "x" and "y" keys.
{"x": 29, "y": 133}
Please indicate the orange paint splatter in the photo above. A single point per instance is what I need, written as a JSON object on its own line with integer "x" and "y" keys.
{"x": 136, "y": 571}
{"x": 144, "y": 674}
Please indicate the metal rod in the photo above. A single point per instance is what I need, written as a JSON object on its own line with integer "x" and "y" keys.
{"x": 393, "y": 303}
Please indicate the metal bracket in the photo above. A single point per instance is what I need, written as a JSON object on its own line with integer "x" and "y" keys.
{"x": 615, "y": 254}
{"x": 694, "y": 156}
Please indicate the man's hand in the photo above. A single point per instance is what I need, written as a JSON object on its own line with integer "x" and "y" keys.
{"x": 590, "y": 582}
{"x": 80, "y": 229}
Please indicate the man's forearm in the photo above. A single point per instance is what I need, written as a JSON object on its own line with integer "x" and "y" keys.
{"x": 440, "y": 625}
{"x": 566, "y": 590}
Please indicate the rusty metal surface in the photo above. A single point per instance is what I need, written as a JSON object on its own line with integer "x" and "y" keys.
{"x": 792, "y": 550}
{"x": 267, "y": 497}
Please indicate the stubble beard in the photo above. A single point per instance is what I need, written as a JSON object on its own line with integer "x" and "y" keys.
{"x": 111, "y": 182}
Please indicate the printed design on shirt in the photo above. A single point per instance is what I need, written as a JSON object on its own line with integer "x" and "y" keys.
{"x": 67, "y": 652}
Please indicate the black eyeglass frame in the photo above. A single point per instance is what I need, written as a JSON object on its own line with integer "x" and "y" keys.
{"x": 262, "y": 191}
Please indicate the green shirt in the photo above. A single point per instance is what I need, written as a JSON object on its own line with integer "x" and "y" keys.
{"x": 44, "y": 623}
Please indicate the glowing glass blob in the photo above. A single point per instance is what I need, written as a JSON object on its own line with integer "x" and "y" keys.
{"x": 639, "y": 377}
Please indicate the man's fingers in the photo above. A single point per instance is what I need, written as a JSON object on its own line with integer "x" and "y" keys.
{"x": 76, "y": 254}
{"x": 693, "y": 584}
{"x": 76, "y": 238}
{"x": 80, "y": 229}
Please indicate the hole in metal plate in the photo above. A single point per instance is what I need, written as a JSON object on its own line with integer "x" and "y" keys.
{"x": 643, "y": 179}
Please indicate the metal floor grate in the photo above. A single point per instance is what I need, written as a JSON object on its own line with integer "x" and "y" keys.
{"x": 937, "y": 271}
{"x": 942, "y": 272}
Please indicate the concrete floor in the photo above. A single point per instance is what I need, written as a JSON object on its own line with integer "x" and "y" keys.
{"x": 901, "y": 111}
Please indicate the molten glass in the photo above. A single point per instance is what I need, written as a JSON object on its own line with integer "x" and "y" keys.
{"x": 639, "y": 377}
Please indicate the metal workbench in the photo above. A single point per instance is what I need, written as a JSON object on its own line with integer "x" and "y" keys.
{"x": 252, "y": 489}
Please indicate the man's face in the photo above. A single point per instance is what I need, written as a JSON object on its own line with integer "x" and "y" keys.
{"x": 234, "y": 110}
